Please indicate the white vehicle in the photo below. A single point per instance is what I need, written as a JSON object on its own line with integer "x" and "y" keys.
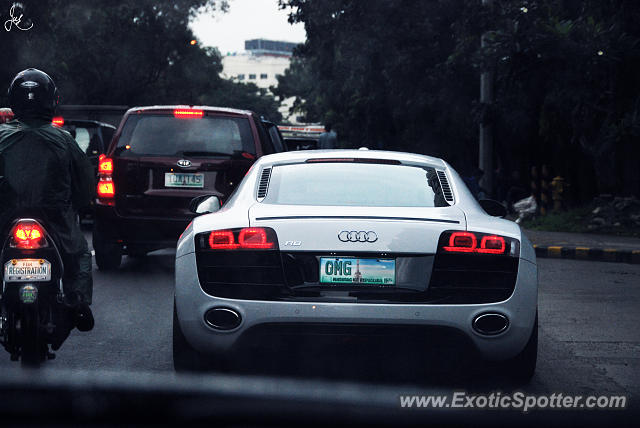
{"x": 348, "y": 238}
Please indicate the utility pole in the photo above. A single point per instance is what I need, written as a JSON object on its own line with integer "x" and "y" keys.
{"x": 486, "y": 123}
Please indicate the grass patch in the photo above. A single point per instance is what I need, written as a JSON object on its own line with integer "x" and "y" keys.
{"x": 576, "y": 220}
{"x": 573, "y": 220}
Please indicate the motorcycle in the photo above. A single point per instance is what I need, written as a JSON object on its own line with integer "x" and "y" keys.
{"x": 32, "y": 310}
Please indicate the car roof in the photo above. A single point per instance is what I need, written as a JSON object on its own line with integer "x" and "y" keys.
{"x": 303, "y": 155}
{"x": 86, "y": 121}
{"x": 205, "y": 108}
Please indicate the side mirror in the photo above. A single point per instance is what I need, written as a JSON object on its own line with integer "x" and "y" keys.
{"x": 493, "y": 208}
{"x": 204, "y": 204}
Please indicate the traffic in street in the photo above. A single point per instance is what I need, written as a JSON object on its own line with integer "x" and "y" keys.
{"x": 305, "y": 212}
{"x": 589, "y": 341}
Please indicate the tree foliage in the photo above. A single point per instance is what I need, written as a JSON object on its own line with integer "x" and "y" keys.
{"x": 126, "y": 52}
{"x": 403, "y": 74}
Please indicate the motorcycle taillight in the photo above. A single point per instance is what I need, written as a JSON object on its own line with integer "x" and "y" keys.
{"x": 28, "y": 235}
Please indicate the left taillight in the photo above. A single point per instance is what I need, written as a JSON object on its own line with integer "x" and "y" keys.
{"x": 247, "y": 238}
{"x": 28, "y": 235}
{"x": 106, "y": 188}
{"x": 457, "y": 241}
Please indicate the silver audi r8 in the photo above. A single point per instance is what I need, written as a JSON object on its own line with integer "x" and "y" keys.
{"x": 328, "y": 242}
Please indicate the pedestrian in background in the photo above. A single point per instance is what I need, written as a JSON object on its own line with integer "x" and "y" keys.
{"x": 328, "y": 139}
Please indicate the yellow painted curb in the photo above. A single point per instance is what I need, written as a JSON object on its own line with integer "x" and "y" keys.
{"x": 582, "y": 252}
{"x": 610, "y": 254}
{"x": 554, "y": 251}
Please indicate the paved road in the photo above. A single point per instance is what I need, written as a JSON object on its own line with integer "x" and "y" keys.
{"x": 589, "y": 331}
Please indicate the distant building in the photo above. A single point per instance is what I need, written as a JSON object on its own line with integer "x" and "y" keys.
{"x": 260, "y": 64}
{"x": 269, "y": 47}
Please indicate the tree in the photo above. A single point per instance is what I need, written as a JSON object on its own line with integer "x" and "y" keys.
{"x": 130, "y": 52}
{"x": 404, "y": 75}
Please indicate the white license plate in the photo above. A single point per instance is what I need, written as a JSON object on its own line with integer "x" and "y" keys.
{"x": 180, "y": 179}
{"x": 27, "y": 270}
{"x": 355, "y": 271}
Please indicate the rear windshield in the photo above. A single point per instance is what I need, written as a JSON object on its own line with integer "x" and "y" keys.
{"x": 354, "y": 184}
{"x": 88, "y": 138}
{"x": 166, "y": 135}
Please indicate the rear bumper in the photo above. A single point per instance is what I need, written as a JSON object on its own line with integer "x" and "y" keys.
{"x": 192, "y": 303}
{"x": 140, "y": 231}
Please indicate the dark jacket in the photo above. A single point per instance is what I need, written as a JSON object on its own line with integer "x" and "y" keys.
{"x": 42, "y": 167}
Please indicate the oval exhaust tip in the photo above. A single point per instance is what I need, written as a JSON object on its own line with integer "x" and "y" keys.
{"x": 222, "y": 318}
{"x": 490, "y": 323}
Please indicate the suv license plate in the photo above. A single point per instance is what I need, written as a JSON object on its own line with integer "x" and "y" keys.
{"x": 355, "y": 271}
{"x": 172, "y": 179}
{"x": 27, "y": 270}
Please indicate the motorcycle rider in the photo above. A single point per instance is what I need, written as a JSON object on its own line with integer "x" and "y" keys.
{"x": 42, "y": 167}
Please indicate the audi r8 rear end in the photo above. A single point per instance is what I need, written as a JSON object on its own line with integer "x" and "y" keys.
{"x": 333, "y": 242}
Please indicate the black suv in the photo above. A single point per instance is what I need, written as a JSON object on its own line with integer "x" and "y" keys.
{"x": 162, "y": 157}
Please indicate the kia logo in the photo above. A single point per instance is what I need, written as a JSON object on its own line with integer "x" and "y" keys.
{"x": 355, "y": 236}
{"x": 184, "y": 163}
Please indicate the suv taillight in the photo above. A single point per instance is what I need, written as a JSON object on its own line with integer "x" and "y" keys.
{"x": 106, "y": 165}
{"x": 28, "y": 235}
{"x": 106, "y": 188}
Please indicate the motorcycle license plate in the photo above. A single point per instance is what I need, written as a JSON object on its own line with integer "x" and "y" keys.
{"x": 27, "y": 270}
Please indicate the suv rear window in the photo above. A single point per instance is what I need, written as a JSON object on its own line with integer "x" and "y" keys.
{"x": 166, "y": 135}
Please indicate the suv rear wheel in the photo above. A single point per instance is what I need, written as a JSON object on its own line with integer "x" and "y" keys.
{"x": 108, "y": 253}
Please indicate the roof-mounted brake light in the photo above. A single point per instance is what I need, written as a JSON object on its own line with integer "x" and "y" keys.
{"x": 188, "y": 113}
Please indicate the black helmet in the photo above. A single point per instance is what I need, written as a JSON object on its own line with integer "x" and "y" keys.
{"x": 33, "y": 94}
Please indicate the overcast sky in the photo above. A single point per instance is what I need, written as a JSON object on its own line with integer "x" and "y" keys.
{"x": 245, "y": 20}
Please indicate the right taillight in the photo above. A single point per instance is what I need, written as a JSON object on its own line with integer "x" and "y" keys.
{"x": 106, "y": 188}
{"x": 247, "y": 238}
{"x": 455, "y": 241}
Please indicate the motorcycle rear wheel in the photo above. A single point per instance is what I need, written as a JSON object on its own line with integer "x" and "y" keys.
{"x": 31, "y": 349}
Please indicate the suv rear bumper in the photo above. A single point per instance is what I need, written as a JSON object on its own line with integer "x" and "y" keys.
{"x": 150, "y": 232}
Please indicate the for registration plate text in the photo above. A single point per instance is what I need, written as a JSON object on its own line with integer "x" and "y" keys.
{"x": 178, "y": 179}
{"x": 355, "y": 271}
{"x": 27, "y": 270}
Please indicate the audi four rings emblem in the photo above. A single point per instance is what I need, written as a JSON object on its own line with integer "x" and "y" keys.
{"x": 357, "y": 236}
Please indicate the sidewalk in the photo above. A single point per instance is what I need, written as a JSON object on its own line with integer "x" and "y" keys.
{"x": 585, "y": 246}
